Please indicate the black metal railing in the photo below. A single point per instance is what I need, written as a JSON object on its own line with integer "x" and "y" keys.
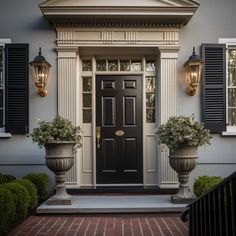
{"x": 214, "y": 214}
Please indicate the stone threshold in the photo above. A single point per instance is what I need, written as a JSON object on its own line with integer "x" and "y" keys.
{"x": 122, "y": 190}
{"x": 114, "y": 204}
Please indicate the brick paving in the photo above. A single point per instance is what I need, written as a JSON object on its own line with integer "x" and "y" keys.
{"x": 102, "y": 225}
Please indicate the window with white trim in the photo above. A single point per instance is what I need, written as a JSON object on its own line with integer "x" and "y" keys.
{"x": 3, "y": 42}
{"x": 2, "y": 107}
{"x": 230, "y": 83}
{"x": 231, "y": 86}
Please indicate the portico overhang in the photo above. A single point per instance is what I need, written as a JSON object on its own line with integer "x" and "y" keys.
{"x": 113, "y": 12}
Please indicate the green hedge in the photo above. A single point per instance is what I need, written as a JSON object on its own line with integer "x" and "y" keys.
{"x": 18, "y": 197}
{"x": 204, "y": 183}
{"x": 22, "y": 199}
{"x": 6, "y": 178}
{"x": 7, "y": 209}
{"x": 41, "y": 182}
{"x": 32, "y": 191}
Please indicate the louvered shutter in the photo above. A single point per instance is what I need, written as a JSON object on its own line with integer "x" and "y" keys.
{"x": 17, "y": 88}
{"x": 214, "y": 87}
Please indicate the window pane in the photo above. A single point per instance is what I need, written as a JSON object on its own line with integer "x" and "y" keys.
{"x": 232, "y": 97}
{"x": 150, "y": 116}
{"x": 1, "y": 57}
{"x": 112, "y": 65}
{"x": 150, "y": 84}
{"x": 124, "y": 65}
{"x": 1, "y": 118}
{"x": 87, "y": 100}
{"x": 87, "y": 84}
{"x": 136, "y": 65}
{"x": 232, "y": 58}
{"x": 87, "y": 65}
{"x": 150, "y": 65}
{"x": 232, "y": 77}
{"x": 87, "y": 115}
{"x": 101, "y": 65}
{"x": 1, "y": 78}
{"x": 232, "y": 116}
{"x": 150, "y": 99}
{"x": 1, "y": 98}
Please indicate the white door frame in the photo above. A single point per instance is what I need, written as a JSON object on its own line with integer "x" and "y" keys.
{"x": 70, "y": 50}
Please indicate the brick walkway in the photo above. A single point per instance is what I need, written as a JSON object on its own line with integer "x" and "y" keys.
{"x": 105, "y": 225}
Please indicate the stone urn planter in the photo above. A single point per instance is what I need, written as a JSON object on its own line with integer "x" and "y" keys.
{"x": 61, "y": 139}
{"x": 183, "y": 135}
{"x": 183, "y": 160}
{"x": 60, "y": 159}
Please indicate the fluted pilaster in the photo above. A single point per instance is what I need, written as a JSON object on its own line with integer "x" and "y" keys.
{"x": 167, "y": 108}
{"x": 67, "y": 102}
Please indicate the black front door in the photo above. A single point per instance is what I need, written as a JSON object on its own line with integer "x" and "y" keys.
{"x": 119, "y": 129}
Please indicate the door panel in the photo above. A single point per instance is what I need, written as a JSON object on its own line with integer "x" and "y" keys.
{"x": 130, "y": 152}
{"x": 130, "y": 110}
{"x": 109, "y": 155}
{"x": 119, "y": 114}
{"x": 108, "y": 111}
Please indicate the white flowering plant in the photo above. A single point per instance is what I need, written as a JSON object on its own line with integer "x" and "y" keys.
{"x": 57, "y": 130}
{"x": 183, "y": 130}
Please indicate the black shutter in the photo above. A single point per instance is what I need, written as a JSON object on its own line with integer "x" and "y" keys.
{"x": 17, "y": 88}
{"x": 214, "y": 87}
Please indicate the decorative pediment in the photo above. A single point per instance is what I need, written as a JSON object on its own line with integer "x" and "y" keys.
{"x": 138, "y": 12}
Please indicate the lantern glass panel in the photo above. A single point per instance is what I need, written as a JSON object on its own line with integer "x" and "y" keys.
{"x": 40, "y": 73}
{"x": 194, "y": 73}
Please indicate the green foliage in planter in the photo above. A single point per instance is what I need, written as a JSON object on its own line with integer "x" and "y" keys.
{"x": 6, "y": 178}
{"x": 32, "y": 191}
{"x": 205, "y": 183}
{"x": 7, "y": 209}
{"x": 41, "y": 182}
{"x": 59, "y": 129}
{"x": 183, "y": 130}
{"x": 22, "y": 199}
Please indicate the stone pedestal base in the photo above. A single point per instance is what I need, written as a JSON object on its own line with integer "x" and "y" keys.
{"x": 61, "y": 197}
{"x": 181, "y": 200}
{"x": 53, "y": 201}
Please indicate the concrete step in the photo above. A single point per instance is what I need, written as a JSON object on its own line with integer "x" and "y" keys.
{"x": 114, "y": 204}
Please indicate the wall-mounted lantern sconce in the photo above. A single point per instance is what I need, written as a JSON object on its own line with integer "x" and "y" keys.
{"x": 40, "y": 69}
{"x": 193, "y": 68}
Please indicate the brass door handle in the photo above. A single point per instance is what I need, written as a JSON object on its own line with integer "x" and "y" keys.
{"x": 98, "y": 136}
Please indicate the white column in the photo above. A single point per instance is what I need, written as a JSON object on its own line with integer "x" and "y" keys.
{"x": 67, "y": 100}
{"x": 167, "y": 107}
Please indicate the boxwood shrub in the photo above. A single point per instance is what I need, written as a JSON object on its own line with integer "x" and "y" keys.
{"x": 6, "y": 178}
{"x": 32, "y": 191}
{"x": 204, "y": 183}
{"x": 7, "y": 209}
{"x": 41, "y": 182}
{"x": 22, "y": 199}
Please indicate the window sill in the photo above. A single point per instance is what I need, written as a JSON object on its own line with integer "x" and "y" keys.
{"x": 5, "y": 135}
{"x": 229, "y": 133}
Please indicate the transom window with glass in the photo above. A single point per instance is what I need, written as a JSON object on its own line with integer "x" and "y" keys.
{"x": 120, "y": 65}
{"x": 231, "y": 86}
{"x": 131, "y": 65}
